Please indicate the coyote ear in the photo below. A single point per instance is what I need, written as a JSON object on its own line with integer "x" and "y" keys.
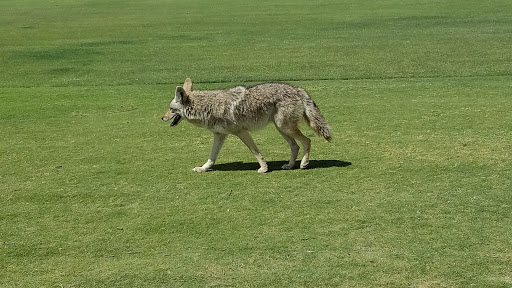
{"x": 187, "y": 85}
{"x": 181, "y": 95}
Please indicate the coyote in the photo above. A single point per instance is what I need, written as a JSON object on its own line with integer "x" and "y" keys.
{"x": 242, "y": 109}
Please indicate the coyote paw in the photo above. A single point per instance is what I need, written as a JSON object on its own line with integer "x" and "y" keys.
{"x": 199, "y": 169}
{"x": 304, "y": 165}
{"x": 263, "y": 169}
{"x": 287, "y": 167}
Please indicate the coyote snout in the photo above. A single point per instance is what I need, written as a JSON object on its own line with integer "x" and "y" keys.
{"x": 242, "y": 109}
{"x": 167, "y": 116}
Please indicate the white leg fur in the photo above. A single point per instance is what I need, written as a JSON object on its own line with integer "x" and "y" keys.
{"x": 218, "y": 141}
{"x": 306, "y": 143}
{"x": 247, "y": 139}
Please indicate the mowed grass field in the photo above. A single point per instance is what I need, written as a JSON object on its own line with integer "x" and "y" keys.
{"x": 414, "y": 191}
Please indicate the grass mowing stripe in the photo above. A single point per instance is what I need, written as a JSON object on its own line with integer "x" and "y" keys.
{"x": 336, "y": 41}
{"x": 411, "y": 203}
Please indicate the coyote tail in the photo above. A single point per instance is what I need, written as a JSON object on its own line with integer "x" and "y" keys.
{"x": 314, "y": 118}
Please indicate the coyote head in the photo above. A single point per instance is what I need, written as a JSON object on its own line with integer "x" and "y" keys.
{"x": 176, "y": 106}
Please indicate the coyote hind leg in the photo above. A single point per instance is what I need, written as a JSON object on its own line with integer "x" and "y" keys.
{"x": 306, "y": 145}
{"x": 294, "y": 148}
{"x": 288, "y": 126}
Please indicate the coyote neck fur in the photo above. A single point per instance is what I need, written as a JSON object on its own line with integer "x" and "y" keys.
{"x": 196, "y": 112}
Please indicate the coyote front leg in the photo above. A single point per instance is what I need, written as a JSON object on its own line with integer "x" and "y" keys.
{"x": 247, "y": 139}
{"x": 218, "y": 141}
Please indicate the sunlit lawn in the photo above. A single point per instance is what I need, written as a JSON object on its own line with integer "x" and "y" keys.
{"x": 414, "y": 190}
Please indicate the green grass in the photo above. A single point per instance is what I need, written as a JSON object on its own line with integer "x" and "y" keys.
{"x": 414, "y": 191}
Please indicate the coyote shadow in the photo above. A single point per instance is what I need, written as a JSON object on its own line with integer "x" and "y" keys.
{"x": 276, "y": 165}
